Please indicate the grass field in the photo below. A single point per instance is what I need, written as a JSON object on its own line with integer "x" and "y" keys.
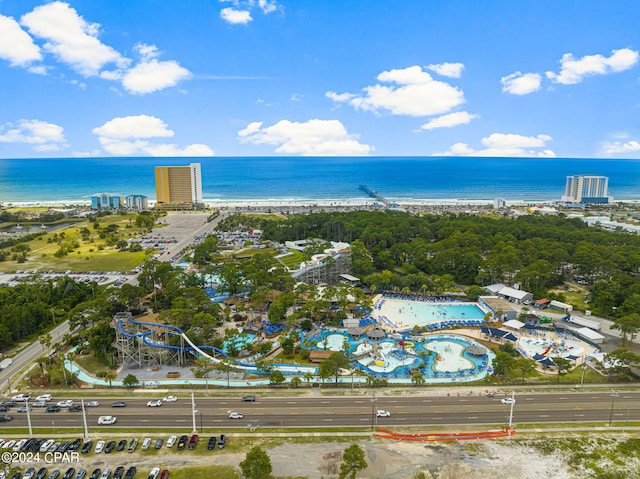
{"x": 89, "y": 253}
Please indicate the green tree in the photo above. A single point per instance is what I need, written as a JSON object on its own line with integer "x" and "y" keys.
{"x": 225, "y": 366}
{"x": 203, "y": 368}
{"x": 276, "y": 377}
{"x": 562, "y": 364}
{"x": 525, "y": 366}
{"x": 333, "y": 364}
{"x": 130, "y": 381}
{"x": 417, "y": 378}
{"x": 296, "y": 381}
{"x": 256, "y": 464}
{"x": 352, "y": 462}
{"x": 502, "y": 363}
{"x": 629, "y": 325}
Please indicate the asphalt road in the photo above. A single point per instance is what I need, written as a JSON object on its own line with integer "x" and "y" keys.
{"x": 349, "y": 411}
{"x": 28, "y": 355}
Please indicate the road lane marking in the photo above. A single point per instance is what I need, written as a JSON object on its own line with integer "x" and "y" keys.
{"x": 544, "y": 415}
{"x": 579, "y": 415}
{"x": 473, "y": 417}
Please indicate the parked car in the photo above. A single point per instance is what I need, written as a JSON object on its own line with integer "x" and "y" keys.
{"x": 99, "y": 447}
{"x": 41, "y": 474}
{"x": 131, "y": 473}
{"x": 146, "y": 443}
{"x": 4, "y": 408}
{"x": 118, "y": 472}
{"x": 155, "y": 472}
{"x": 212, "y": 443}
{"x": 119, "y": 404}
{"x": 164, "y": 474}
{"x": 158, "y": 443}
{"x": 182, "y": 442}
{"x": 29, "y": 473}
{"x": 55, "y": 474}
{"x": 111, "y": 445}
{"x": 132, "y": 445}
{"x": 95, "y": 474}
{"x": 171, "y": 441}
{"x": 69, "y": 473}
{"x": 82, "y": 473}
{"x": 222, "y": 442}
{"x": 193, "y": 442}
{"x": 122, "y": 443}
{"x": 44, "y": 447}
{"x": 106, "y": 474}
{"x": 75, "y": 445}
{"x": 86, "y": 447}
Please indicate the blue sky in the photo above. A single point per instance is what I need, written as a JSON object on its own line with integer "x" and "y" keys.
{"x": 319, "y": 77}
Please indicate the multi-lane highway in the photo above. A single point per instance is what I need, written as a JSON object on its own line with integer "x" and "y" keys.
{"x": 348, "y": 411}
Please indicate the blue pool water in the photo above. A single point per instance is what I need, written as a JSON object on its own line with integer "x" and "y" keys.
{"x": 402, "y": 313}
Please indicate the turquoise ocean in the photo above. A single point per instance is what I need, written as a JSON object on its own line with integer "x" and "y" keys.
{"x": 400, "y": 179}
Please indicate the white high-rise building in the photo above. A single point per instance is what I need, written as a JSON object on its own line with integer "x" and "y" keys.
{"x": 587, "y": 189}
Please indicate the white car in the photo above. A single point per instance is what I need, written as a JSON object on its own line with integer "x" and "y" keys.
{"x": 155, "y": 403}
{"x": 9, "y": 444}
{"x": 21, "y": 397}
{"x": 65, "y": 403}
{"x": 235, "y": 415}
{"x": 155, "y": 472}
{"x": 18, "y": 445}
{"x": 106, "y": 420}
{"x": 46, "y": 445}
{"x": 171, "y": 441}
{"x": 382, "y": 413}
{"x": 44, "y": 397}
{"x": 169, "y": 399}
{"x": 99, "y": 447}
{"x": 92, "y": 404}
{"x": 146, "y": 443}
{"x": 508, "y": 401}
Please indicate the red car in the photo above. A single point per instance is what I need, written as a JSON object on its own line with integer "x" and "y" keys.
{"x": 164, "y": 474}
{"x": 193, "y": 441}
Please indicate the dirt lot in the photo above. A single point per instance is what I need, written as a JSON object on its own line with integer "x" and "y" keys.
{"x": 386, "y": 459}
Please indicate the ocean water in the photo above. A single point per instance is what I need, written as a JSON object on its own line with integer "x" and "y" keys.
{"x": 315, "y": 179}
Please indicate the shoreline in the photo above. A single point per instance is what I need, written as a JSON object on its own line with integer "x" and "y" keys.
{"x": 315, "y": 203}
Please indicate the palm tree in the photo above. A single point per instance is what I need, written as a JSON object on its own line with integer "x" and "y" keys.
{"x": 225, "y": 366}
{"x": 109, "y": 376}
{"x": 308, "y": 377}
{"x": 203, "y": 363}
{"x": 296, "y": 381}
{"x": 417, "y": 378}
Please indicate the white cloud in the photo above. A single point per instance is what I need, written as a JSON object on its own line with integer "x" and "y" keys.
{"x": 610, "y": 148}
{"x": 296, "y": 97}
{"x": 574, "y": 70}
{"x": 521, "y": 83}
{"x": 140, "y": 126}
{"x": 71, "y": 39}
{"x": 151, "y": 75}
{"x": 235, "y": 17}
{"x": 311, "y": 138}
{"x": 505, "y": 144}
{"x": 452, "y": 70}
{"x": 45, "y": 136}
{"x": 16, "y": 46}
{"x": 129, "y": 135}
{"x": 415, "y": 93}
{"x": 267, "y": 6}
{"x": 449, "y": 120}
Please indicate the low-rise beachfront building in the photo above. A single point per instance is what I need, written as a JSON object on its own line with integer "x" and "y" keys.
{"x": 137, "y": 202}
{"x": 511, "y": 294}
{"x": 107, "y": 201}
{"x": 500, "y": 308}
{"x": 326, "y": 267}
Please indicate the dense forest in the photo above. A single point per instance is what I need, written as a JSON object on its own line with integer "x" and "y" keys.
{"x": 397, "y": 250}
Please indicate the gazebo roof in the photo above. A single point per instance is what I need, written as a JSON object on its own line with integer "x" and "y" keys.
{"x": 376, "y": 333}
{"x": 356, "y": 331}
{"x": 477, "y": 350}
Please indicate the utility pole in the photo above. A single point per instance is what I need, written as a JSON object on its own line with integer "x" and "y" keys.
{"x": 84, "y": 420}
{"x": 26, "y": 405}
{"x": 373, "y": 411}
{"x": 614, "y": 395}
{"x": 584, "y": 366}
{"x": 513, "y": 402}
{"x": 193, "y": 413}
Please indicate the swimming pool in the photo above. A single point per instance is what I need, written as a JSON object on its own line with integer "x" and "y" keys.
{"x": 403, "y": 313}
{"x": 437, "y": 357}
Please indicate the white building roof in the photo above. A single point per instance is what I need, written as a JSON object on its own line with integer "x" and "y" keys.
{"x": 589, "y": 334}
{"x": 513, "y": 293}
{"x": 514, "y": 324}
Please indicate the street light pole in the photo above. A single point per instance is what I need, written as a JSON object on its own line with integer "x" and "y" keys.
{"x": 193, "y": 413}
{"x": 84, "y": 420}
{"x": 614, "y": 395}
{"x": 373, "y": 411}
{"x": 513, "y": 402}
{"x": 26, "y": 405}
{"x": 584, "y": 366}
